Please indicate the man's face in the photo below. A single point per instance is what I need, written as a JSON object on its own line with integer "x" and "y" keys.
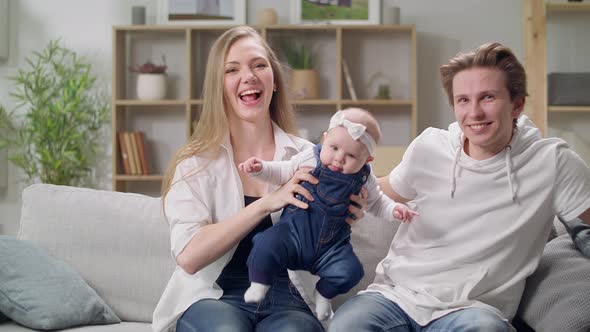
{"x": 484, "y": 110}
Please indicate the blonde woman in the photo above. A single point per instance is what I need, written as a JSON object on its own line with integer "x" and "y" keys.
{"x": 214, "y": 211}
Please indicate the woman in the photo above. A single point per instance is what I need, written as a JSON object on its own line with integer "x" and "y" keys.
{"x": 214, "y": 211}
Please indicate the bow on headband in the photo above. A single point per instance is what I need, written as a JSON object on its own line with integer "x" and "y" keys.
{"x": 356, "y": 130}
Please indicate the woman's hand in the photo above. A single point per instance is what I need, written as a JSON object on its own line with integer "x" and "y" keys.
{"x": 358, "y": 212}
{"x": 285, "y": 194}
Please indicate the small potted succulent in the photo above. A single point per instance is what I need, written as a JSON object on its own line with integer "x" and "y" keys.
{"x": 151, "y": 81}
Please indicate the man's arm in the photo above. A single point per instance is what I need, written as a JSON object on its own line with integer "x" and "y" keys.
{"x": 388, "y": 190}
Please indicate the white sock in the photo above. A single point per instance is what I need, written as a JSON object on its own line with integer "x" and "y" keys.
{"x": 323, "y": 306}
{"x": 256, "y": 292}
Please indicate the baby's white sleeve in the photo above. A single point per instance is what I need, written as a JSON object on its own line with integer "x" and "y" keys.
{"x": 379, "y": 204}
{"x": 279, "y": 172}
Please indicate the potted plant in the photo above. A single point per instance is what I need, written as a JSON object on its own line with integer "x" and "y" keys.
{"x": 53, "y": 133}
{"x": 304, "y": 79}
{"x": 151, "y": 81}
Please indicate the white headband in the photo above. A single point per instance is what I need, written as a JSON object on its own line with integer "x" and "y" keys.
{"x": 356, "y": 130}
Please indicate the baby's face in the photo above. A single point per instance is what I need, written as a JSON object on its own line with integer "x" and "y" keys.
{"x": 341, "y": 153}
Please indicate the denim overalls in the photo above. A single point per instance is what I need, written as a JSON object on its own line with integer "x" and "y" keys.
{"x": 316, "y": 239}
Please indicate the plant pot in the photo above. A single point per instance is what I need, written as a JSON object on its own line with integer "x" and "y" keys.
{"x": 267, "y": 16}
{"x": 305, "y": 84}
{"x": 151, "y": 86}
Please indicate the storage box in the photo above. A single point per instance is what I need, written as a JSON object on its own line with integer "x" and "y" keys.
{"x": 571, "y": 89}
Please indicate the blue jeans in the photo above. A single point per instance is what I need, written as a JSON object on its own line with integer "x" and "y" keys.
{"x": 281, "y": 310}
{"x": 316, "y": 239}
{"x": 580, "y": 234}
{"x": 374, "y": 312}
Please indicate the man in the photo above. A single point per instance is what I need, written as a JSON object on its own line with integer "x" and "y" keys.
{"x": 487, "y": 191}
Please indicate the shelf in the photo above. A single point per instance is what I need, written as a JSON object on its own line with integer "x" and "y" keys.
{"x": 554, "y": 41}
{"x": 134, "y": 102}
{"x": 314, "y": 102}
{"x": 168, "y": 124}
{"x": 567, "y": 7}
{"x": 384, "y": 102}
{"x": 564, "y": 109}
{"x": 121, "y": 177}
{"x": 331, "y": 27}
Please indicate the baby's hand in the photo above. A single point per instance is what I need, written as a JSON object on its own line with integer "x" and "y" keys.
{"x": 403, "y": 213}
{"x": 252, "y": 165}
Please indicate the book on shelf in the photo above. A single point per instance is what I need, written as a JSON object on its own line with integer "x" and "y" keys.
{"x": 132, "y": 167}
{"x": 133, "y": 153}
{"x": 123, "y": 153}
{"x": 348, "y": 80}
{"x": 138, "y": 170}
{"x": 140, "y": 137}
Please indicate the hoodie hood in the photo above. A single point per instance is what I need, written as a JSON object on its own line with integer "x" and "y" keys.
{"x": 525, "y": 135}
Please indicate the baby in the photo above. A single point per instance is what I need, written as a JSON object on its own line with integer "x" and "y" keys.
{"x": 317, "y": 239}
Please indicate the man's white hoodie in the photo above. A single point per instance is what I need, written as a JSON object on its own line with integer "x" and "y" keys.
{"x": 482, "y": 224}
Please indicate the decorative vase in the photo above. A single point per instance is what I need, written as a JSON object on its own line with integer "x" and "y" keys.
{"x": 390, "y": 15}
{"x": 305, "y": 84}
{"x": 151, "y": 86}
{"x": 267, "y": 16}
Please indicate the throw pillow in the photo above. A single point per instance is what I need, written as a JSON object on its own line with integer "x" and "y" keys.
{"x": 42, "y": 293}
{"x": 557, "y": 294}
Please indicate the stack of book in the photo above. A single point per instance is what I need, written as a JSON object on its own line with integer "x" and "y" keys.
{"x": 133, "y": 152}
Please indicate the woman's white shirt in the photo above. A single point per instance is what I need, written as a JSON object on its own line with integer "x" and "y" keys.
{"x": 207, "y": 189}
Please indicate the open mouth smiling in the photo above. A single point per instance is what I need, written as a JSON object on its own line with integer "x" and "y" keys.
{"x": 250, "y": 95}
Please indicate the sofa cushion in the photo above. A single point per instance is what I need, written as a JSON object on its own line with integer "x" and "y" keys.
{"x": 371, "y": 238}
{"x": 557, "y": 295}
{"x": 122, "y": 327}
{"x": 118, "y": 242}
{"x": 40, "y": 292}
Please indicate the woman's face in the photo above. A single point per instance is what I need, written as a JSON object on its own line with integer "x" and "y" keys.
{"x": 248, "y": 81}
{"x": 484, "y": 110}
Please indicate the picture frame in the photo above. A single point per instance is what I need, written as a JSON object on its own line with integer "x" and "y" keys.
{"x": 327, "y": 12}
{"x": 201, "y": 12}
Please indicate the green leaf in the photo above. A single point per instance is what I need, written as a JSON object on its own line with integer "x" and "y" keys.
{"x": 54, "y": 136}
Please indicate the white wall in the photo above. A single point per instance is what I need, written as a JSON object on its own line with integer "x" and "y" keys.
{"x": 444, "y": 28}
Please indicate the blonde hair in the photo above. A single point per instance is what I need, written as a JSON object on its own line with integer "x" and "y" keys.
{"x": 489, "y": 55}
{"x": 213, "y": 124}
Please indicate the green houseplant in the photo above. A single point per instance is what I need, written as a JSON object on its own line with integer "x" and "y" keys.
{"x": 53, "y": 133}
{"x": 304, "y": 80}
{"x": 298, "y": 55}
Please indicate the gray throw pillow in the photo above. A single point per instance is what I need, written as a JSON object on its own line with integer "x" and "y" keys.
{"x": 557, "y": 294}
{"x": 42, "y": 293}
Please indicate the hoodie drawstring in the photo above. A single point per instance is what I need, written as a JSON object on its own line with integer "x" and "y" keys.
{"x": 453, "y": 175}
{"x": 509, "y": 171}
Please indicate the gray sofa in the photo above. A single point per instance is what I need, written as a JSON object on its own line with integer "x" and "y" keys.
{"x": 119, "y": 244}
